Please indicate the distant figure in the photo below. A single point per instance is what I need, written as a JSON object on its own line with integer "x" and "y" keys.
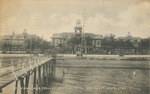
{"x": 63, "y": 72}
{"x": 78, "y": 54}
{"x": 36, "y": 54}
{"x": 121, "y": 54}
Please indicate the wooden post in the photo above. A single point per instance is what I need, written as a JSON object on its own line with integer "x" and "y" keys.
{"x": 49, "y": 75}
{"x": 34, "y": 82}
{"x": 44, "y": 74}
{"x": 22, "y": 85}
{"x": 1, "y": 91}
{"x": 63, "y": 67}
{"x": 39, "y": 74}
{"x": 53, "y": 70}
{"x": 54, "y": 63}
{"x": 53, "y": 67}
{"x": 16, "y": 86}
{"x": 47, "y": 71}
{"x": 27, "y": 82}
{"x": 43, "y": 70}
{"x": 39, "y": 79}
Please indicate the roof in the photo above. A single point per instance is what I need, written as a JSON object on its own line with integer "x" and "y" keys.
{"x": 125, "y": 38}
{"x": 19, "y": 36}
{"x": 98, "y": 37}
{"x": 72, "y": 34}
{"x": 57, "y": 36}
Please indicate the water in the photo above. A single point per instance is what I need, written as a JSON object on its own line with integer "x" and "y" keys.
{"x": 97, "y": 80}
{"x": 102, "y": 80}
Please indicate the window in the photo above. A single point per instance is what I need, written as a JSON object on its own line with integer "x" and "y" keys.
{"x": 97, "y": 42}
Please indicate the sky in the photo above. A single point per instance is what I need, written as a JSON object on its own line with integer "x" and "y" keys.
{"x": 46, "y": 17}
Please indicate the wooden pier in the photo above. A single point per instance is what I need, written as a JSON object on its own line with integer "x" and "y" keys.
{"x": 42, "y": 70}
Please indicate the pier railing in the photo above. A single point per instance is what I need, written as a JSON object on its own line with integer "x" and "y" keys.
{"x": 42, "y": 69}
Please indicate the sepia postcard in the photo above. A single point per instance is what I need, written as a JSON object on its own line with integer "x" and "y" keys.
{"x": 74, "y": 46}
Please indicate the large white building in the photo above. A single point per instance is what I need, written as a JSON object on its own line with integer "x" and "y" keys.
{"x": 16, "y": 42}
{"x": 60, "y": 39}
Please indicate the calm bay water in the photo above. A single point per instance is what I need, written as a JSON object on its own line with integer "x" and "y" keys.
{"x": 102, "y": 80}
{"x": 97, "y": 80}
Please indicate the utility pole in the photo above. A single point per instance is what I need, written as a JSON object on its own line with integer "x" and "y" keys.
{"x": 30, "y": 45}
{"x": 83, "y": 26}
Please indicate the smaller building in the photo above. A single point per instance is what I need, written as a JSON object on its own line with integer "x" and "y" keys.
{"x": 131, "y": 44}
{"x": 130, "y": 38}
{"x": 134, "y": 40}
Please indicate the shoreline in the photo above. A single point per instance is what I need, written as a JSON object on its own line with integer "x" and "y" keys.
{"x": 89, "y": 56}
{"x": 108, "y": 57}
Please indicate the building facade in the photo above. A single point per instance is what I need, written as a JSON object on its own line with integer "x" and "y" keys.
{"x": 84, "y": 42}
{"x": 131, "y": 44}
{"x": 97, "y": 44}
{"x": 16, "y": 43}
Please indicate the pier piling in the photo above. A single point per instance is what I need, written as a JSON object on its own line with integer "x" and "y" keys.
{"x": 27, "y": 77}
{"x": 22, "y": 85}
{"x": 41, "y": 71}
{"x": 39, "y": 79}
{"x": 16, "y": 86}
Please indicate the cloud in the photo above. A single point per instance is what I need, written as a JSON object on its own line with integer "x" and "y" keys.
{"x": 136, "y": 19}
{"x": 45, "y": 18}
{"x": 8, "y": 8}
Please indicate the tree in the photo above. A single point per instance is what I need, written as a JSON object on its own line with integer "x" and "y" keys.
{"x": 74, "y": 41}
{"x": 45, "y": 45}
{"x": 89, "y": 41}
{"x": 71, "y": 43}
{"x": 2, "y": 45}
{"x": 109, "y": 43}
{"x": 145, "y": 45}
{"x": 37, "y": 44}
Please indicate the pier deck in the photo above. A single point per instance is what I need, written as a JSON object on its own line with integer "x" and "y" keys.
{"x": 14, "y": 73}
